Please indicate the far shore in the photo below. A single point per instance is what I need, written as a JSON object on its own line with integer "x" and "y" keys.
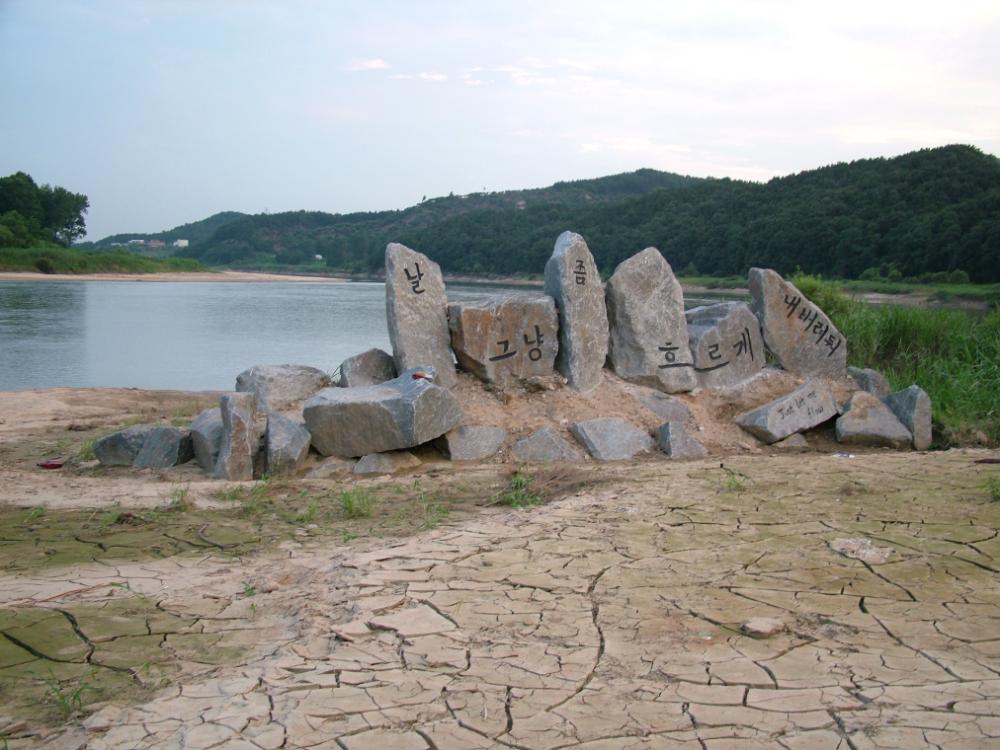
{"x": 196, "y": 276}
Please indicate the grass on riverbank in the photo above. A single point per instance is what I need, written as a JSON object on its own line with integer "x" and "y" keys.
{"x": 55, "y": 259}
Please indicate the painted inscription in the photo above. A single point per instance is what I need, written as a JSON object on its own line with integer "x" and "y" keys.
{"x": 814, "y": 322}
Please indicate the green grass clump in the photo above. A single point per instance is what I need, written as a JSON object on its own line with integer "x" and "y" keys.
{"x": 357, "y": 503}
{"x": 68, "y": 260}
{"x": 518, "y": 494}
{"x": 993, "y": 488}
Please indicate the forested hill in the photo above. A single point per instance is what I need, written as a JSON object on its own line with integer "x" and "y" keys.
{"x": 196, "y": 231}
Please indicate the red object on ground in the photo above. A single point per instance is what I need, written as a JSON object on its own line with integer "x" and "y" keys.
{"x": 52, "y": 463}
{"x": 420, "y": 376}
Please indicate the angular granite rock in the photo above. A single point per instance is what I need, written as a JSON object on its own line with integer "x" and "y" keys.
{"x": 611, "y": 439}
{"x": 415, "y": 308}
{"x": 807, "y": 406}
{"x": 912, "y": 407}
{"x": 400, "y": 413}
{"x": 867, "y": 421}
{"x": 674, "y": 440}
{"x": 725, "y": 343}
{"x": 871, "y": 380}
{"x": 120, "y": 448}
{"x": 332, "y": 467}
{"x": 368, "y": 368}
{"x": 239, "y": 437}
{"x": 571, "y": 278}
{"x": 278, "y": 386}
{"x": 165, "y": 447}
{"x": 792, "y": 443}
{"x": 386, "y": 463}
{"x": 505, "y": 338}
{"x": 545, "y": 446}
{"x": 667, "y": 408}
{"x": 286, "y": 445}
{"x": 206, "y": 437}
{"x": 648, "y": 341}
{"x": 796, "y": 331}
{"x": 471, "y": 442}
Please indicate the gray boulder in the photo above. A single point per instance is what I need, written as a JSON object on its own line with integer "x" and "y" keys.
{"x": 165, "y": 447}
{"x": 725, "y": 343}
{"x": 332, "y": 467}
{"x": 674, "y": 440}
{"x": 386, "y": 463}
{"x": 648, "y": 341}
{"x": 239, "y": 437}
{"x": 796, "y": 331}
{"x": 286, "y": 445}
{"x": 368, "y": 368}
{"x": 871, "y": 380}
{"x": 545, "y": 446}
{"x": 868, "y": 421}
{"x": 665, "y": 407}
{"x": 792, "y": 443}
{"x": 277, "y": 386}
{"x": 120, "y": 448}
{"x": 912, "y": 407}
{"x": 505, "y": 338}
{"x": 206, "y": 437}
{"x": 400, "y": 413}
{"x": 571, "y": 278}
{"x": 471, "y": 442}
{"x": 611, "y": 439}
{"x": 415, "y": 306}
{"x": 805, "y": 407}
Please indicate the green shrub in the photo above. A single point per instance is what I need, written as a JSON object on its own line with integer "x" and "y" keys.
{"x": 357, "y": 503}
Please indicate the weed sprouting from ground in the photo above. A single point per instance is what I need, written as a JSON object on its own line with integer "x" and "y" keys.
{"x": 432, "y": 511}
{"x": 69, "y": 701}
{"x": 993, "y": 488}
{"x": 357, "y": 503}
{"x": 733, "y": 481}
{"x": 518, "y": 494}
{"x": 87, "y": 451}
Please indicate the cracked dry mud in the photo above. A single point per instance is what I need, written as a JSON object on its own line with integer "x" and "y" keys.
{"x": 610, "y": 618}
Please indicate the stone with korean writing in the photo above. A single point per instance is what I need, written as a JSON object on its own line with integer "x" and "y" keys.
{"x": 796, "y": 331}
{"x": 415, "y": 306}
{"x": 505, "y": 338}
{"x": 648, "y": 341}
{"x": 725, "y": 344}
{"x": 805, "y": 407}
{"x": 571, "y": 278}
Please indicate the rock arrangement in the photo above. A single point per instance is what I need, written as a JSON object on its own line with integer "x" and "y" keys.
{"x": 382, "y": 405}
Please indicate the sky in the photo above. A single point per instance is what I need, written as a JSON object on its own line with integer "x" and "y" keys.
{"x": 166, "y": 111}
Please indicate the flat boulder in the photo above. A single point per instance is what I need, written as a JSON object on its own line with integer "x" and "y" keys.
{"x": 611, "y": 439}
{"x": 571, "y": 278}
{"x": 675, "y": 440}
{"x": 545, "y": 446}
{"x": 386, "y": 463}
{"x": 368, "y": 368}
{"x": 796, "y": 331}
{"x": 400, "y": 413}
{"x": 648, "y": 341}
{"x": 807, "y": 406}
{"x": 415, "y": 306}
{"x": 912, "y": 407}
{"x": 506, "y": 338}
{"x": 471, "y": 442}
{"x": 206, "y": 437}
{"x": 277, "y": 386}
{"x": 165, "y": 447}
{"x": 286, "y": 445}
{"x": 239, "y": 437}
{"x": 120, "y": 448}
{"x": 666, "y": 407}
{"x": 725, "y": 343}
{"x": 868, "y": 421}
{"x": 870, "y": 380}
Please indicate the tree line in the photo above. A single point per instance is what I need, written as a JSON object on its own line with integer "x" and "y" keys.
{"x": 32, "y": 214}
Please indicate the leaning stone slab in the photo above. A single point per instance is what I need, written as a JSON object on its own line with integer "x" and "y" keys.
{"x": 674, "y": 440}
{"x": 871, "y": 380}
{"x": 286, "y": 445}
{"x": 808, "y": 405}
{"x": 665, "y": 407}
{"x": 386, "y": 463}
{"x": 545, "y": 446}
{"x": 912, "y": 407}
{"x": 796, "y": 331}
{"x": 415, "y": 306}
{"x": 120, "y": 448}
{"x": 571, "y": 278}
{"x": 611, "y": 439}
{"x": 239, "y": 437}
{"x": 368, "y": 368}
{"x": 165, "y": 447}
{"x": 868, "y": 421}
{"x": 725, "y": 343}
{"x": 506, "y": 338}
{"x": 648, "y": 341}
{"x": 471, "y": 442}
{"x": 206, "y": 437}
{"x": 400, "y": 413}
{"x": 277, "y": 386}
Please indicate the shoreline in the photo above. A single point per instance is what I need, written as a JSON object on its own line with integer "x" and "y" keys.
{"x": 191, "y": 276}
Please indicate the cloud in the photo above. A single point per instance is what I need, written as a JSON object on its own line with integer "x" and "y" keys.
{"x": 422, "y": 76}
{"x": 374, "y": 63}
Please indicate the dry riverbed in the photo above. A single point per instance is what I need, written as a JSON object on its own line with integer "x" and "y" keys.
{"x": 143, "y": 609}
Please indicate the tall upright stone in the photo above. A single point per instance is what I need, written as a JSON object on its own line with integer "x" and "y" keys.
{"x": 912, "y": 407}
{"x": 649, "y": 336}
{"x": 416, "y": 310}
{"x": 571, "y": 278}
{"x": 725, "y": 344}
{"x": 796, "y": 331}
{"x": 239, "y": 437}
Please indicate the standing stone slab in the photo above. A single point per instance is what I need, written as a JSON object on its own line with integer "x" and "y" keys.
{"x": 571, "y": 278}
{"x": 239, "y": 437}
{"x": 674, "y": 440}
{"x": 796, "y": 331}
{"x": 805, "y": 407}
{"x": 206, "y": 437}
{"x": 277, "y": 386}
{"x": 368, "y": 368}
{"x": 505, "y": 338}
{"x": 725, "y": 343}
{"x": 415, "y": 307}
{"x": 871, "y": 380}
{"x": 648, "y": 341}
{"x": 165, "y": 447}
{"x": 912, "y": 407}
{"x": 611, "y": 439}
{"x": 120, "y": 448}
{"x": 545, "y": 446}
{"x": 867, "y": 421}
{"x": 472, "y": 442}
{"x": 286, "y": 445}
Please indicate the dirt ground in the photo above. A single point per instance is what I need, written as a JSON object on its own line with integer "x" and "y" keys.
{"x": 161, "y": 609}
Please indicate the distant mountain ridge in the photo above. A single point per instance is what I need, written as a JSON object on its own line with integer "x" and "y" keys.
{"x": 196, "y": 231}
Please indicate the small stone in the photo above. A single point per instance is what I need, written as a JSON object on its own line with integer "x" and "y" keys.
{"x": 206, "y": 437}
{"x": 666, "y": 407}
{"x": 120, "y": 448}
{"x": 871, "y": 380}
{"x": 725, "y": 343}
{"x": 165, "y": 447}
{"x": 471, "y": 442}
{"x": 868, "y": 421}
{"x": 332, "y": 467}
{"x": 674, "y": 440}
{"x": 862, "y": 549}
{"x": 912, "y": 407}
{"x": 368, "y": 368}
{"x": 805, "y": 407}
{"x": 278, "y": 386}
{"x": 239, "y": 437}
{"x": 545, "y": 446}
{"x": 763, "y": 627}
{"x": 386, "y": 463}
{"x": 543, "y": 383}
{"x": 611, "y": 439}
{"x": 286, "y": 445}
{"x": 796, "y": 442}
